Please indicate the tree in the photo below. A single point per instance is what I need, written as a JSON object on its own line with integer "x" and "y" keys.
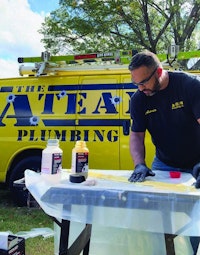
{"x": 107, "y": 25}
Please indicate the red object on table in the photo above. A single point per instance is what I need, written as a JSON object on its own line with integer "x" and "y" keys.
{"x": 175, "y": 174}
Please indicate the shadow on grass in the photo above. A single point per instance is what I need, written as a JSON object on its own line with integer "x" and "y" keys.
{"x": 5, "y": 197}
{"x": 15, "y": 219}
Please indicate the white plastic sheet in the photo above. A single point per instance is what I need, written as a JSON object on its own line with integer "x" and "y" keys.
{"x": 135, "y": 215}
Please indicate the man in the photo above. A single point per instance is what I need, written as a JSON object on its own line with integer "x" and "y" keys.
{"x": 167, "y": 104}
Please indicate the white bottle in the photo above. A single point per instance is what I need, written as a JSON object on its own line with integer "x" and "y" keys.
{"x": 51, "y": 158}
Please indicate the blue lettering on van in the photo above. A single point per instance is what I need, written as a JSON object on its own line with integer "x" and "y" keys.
{"x": 20, "y": 106}
{"x": 28, "y": 88}
{"x": 48, "y": 103}
{"x": 130, "y": 95}
{"x": 110, "y": 108}
{"x": 84, "y": 96}
{"x": 71, "y": 107}
{"x": 6, "y": 89}
{"x": 96, "y": 135}
{"x": 72, "y": 103}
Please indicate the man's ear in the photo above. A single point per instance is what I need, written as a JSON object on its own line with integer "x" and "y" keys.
{"x": 159, "y": 71}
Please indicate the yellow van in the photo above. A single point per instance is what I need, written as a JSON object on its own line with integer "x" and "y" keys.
{"x": 70, "y": 103}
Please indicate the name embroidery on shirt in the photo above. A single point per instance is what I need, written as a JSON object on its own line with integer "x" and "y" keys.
{"x": 177, "y": 105}
{"x": 150, "y": 111}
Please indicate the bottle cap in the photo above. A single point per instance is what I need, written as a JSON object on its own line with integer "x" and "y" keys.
{"x": 81, "y": 143}
{"x": 53, "y": 142}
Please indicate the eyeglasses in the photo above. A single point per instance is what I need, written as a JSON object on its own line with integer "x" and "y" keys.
{"x": 142, "y": 83}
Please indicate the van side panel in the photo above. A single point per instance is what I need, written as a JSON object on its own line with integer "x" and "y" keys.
{"x": 88, "y": 105}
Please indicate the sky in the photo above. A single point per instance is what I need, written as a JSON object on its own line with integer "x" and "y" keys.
{"x": 20, "y": 21}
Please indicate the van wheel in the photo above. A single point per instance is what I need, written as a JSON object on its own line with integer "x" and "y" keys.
{"x": 20, "y": 194}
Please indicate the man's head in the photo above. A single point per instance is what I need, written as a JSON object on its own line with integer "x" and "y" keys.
{"x": 146, "y": 70}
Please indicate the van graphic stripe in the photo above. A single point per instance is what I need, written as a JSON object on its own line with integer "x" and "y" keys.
{"x": 101, "y": 122}
{"x": 91, "y": 87}
{"x": 63, "y": 87}
{"x": 57, "y": 123}
{"x": 85, "y": 122}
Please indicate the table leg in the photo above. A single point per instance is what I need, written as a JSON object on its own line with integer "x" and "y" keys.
{"x": 195, "y": 240}
{"x": 169, "y": 244}
{"x": 64, "y": 237}
{"x": 82, "y": 242}
{"x": 86, "y": 249}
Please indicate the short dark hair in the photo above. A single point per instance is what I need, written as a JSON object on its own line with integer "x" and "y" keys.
{"x": 145, "y": 58}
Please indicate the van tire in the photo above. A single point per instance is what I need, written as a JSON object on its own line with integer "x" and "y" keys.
{"x": 20, "y": 194}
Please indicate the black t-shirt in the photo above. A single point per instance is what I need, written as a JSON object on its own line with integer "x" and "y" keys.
{"x": 171, "y": 118}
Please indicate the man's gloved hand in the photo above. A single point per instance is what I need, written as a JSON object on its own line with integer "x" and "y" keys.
{"x": 196, "y": 175}
{"x": 141, "y": 171}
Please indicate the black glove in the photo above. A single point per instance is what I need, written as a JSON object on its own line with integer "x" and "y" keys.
{"x": 141, "y": 171}
{"x": 196, "y": 175}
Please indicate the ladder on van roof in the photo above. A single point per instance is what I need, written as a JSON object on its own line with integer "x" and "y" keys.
{"x": 118, "y": 56}
{"x": 47, "y": 64}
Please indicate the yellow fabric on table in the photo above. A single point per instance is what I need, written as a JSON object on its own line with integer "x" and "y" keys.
{"x": 154, "y": 184}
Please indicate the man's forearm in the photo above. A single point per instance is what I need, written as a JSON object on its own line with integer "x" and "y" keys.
{"x": 137, "y": 148}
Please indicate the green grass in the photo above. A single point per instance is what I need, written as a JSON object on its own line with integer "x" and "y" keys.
{"x": 15, "y": 219}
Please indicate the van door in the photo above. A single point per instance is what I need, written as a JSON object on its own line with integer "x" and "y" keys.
{"x": 61, "y": 114}
{"x": 126, "y": 91}
{"x": 98, "y": 119}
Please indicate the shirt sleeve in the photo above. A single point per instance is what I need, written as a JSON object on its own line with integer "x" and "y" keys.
{"x": 194, "y": 93}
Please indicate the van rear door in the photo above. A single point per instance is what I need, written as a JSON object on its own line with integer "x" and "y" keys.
{"x": 98, "y": 119}
{"x": 126, "y": 91}
{"x": 61, "y": 112}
